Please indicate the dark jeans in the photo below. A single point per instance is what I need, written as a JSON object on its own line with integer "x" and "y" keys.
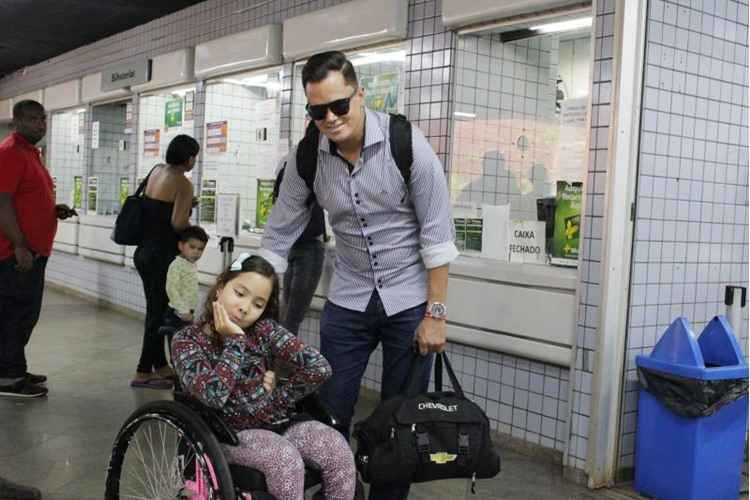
{"x": 20, "y": 305}
{"x": 300, "y": 281}
{"x": 152, "y": 262}
{"x": 347, "y": 339}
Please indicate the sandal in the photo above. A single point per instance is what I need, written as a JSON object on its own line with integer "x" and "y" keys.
{"x": 152, "y": 383}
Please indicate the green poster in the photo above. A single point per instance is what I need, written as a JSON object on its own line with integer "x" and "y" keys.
{"x": 124, "y": 188}
{"x": 173, "y": 113}
{"x": 567, "y": 223}
{"x": 468, "y": 234}
{"x": 77, "y": 191}
{"x": 381, "y": 92}
{"x": 263, "y": 201}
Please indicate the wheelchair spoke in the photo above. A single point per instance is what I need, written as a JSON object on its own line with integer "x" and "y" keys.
{"x": 156, "y": 461}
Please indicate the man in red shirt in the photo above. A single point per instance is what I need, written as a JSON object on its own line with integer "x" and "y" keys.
{"x": 28, "y": 222}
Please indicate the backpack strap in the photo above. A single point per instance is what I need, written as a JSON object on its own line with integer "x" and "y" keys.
{"x": 401, "y": 146}
{"x": 277, "y": 183}
{"x": 307, "y": 155}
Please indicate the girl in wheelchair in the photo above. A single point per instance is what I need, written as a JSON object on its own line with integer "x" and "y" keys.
{"x": 225, "y": 360}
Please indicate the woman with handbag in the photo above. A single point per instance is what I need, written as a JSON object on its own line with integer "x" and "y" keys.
{"x": 167, "y": 203}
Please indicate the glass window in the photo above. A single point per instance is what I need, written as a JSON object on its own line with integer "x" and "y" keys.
{"x": 518, "y": 154}
{"x": 65, "y": 160}
{"x": 381, "y": 74}
{"x": 108, "y": 176}
{"x": 162, "y": 115}
{"x": 242, "y": 144}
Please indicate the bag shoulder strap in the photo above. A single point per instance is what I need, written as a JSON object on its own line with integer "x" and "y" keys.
{"x": 144, "y": 182}
{"x": 307, "y": 155}
{"x": 277, "y": 183}
{"x": 401, "y": 146}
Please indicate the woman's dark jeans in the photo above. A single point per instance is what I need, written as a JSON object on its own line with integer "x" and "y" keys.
{"x": 152, "y": 261}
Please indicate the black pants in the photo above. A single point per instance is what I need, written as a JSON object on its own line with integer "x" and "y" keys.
{"x": 20, "y": 305}
{"x": 152, "y": 262}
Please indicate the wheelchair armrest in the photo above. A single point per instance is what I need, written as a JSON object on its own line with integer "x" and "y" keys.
{"x": 211, "y": 417}
{"x": 313, "y": 406}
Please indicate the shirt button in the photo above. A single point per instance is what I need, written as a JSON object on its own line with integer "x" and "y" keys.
{"x": 362, "y": 219}
{"x": 357, "y": 202}
{"x": 364, "y": 224}
{"x": 375, "y": 264}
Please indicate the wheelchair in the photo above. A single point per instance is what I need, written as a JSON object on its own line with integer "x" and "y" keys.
{"x": 171, "y": 450}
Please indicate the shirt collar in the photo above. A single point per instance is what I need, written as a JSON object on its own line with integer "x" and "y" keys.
{"x": 21, "y": 140}
{"x": 373, "y": 133}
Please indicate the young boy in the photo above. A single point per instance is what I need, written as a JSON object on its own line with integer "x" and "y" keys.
{"x": 182, "y": 278}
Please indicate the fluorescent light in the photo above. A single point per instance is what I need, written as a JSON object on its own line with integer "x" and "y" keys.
{"x": 461, "y": 114}
{"x": 573, "y": 24}
{"x": 377, "y": 57}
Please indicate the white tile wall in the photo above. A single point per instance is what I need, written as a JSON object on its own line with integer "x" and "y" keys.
{"x": 691, "y": 220}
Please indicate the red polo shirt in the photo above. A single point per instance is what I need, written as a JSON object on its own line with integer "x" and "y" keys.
{"x": 23, "y": 176}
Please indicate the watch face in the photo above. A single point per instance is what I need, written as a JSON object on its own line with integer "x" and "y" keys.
{"x": 437, "y": 309}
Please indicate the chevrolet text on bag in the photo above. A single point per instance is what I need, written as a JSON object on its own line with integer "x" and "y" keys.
{"x": 437, "y": 406}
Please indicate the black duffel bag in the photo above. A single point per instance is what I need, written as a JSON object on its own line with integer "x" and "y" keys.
{"x": 412, "y": 438}
{"x": 129, "y": 224}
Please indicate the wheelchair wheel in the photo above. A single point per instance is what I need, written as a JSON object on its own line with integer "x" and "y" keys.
{"x": 164, "y": 451}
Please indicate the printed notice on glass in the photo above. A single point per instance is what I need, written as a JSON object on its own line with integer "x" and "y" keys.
{"x": 216, "y": 137}
{"x": 189, "y": 105}
{"x": 381, "y": 92}
{"x": 227, "y": 214}
{"x": 527, "y": 242}
{"x": 495, "y": 229}
{"x": 208, "y": 201}
{"x": 95, "y": 135}
{"x": 93, "y": 188}
{"x": 151, "y": 140}
{"x": 77, "y": 201}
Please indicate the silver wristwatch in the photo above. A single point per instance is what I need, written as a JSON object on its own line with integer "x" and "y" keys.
{"x": 436, "y": 310}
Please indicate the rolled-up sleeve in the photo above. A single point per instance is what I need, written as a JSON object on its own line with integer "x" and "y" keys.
{"x": 429, "y": 193}
{"x": 289, "y": 217}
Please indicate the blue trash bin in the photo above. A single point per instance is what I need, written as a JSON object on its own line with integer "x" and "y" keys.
{"x": 680, "y": 457}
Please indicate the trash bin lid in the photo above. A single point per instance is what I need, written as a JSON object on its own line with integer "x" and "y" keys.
{"x": 680, "y": 353}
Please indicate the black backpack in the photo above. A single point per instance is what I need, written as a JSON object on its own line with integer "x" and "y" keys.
{"x": 412, "y": 438}
{"x": 401, "y": 150}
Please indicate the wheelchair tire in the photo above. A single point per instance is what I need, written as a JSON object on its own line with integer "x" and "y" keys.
{"x": 196, "y": 450}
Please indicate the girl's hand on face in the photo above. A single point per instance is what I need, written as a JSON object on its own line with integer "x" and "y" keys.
{"x": 223, "y": 324}
{"x": 269, "y": 381}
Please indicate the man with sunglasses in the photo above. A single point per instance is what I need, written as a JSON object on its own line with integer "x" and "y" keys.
{"x": 393, "y": 242}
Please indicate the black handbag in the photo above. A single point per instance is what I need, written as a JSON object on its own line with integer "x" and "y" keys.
{"x": 128, "y": 228}
{"x": 412, "y": 438}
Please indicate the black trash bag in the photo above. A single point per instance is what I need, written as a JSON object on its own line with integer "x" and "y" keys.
{"x": 689, "y": 397}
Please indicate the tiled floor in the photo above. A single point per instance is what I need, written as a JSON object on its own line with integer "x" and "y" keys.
{"x": 61, "y": 443}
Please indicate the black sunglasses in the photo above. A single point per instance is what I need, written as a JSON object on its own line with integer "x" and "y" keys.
{"x": 339, "y": 107}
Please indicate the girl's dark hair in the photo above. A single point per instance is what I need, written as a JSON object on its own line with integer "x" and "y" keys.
{"x": 253, "y": 264}
{"x": 181, "y": 149}
{"x": 317, "y": 67}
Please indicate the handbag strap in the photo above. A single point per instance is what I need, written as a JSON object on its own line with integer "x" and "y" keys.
{"x": 441, "y": 358}
{"x": 142, "y": 185}
{"x": 413, "y": 386}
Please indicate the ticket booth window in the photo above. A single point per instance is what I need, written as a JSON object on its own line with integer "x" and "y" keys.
{"x": 518, "y": 155}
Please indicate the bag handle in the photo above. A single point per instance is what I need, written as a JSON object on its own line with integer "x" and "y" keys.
{"x": 142, "y": 185}
{"x": 416, "y": 368}
{"x": 439, "y": 359}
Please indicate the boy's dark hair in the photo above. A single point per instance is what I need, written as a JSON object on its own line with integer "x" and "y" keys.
{"x": 253, "y": 264}
{"x": 317, "y": 67}
{"x": 22, "y": 108}
{"x": 194, "y": 233}
{"x": 181, "y": 149}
